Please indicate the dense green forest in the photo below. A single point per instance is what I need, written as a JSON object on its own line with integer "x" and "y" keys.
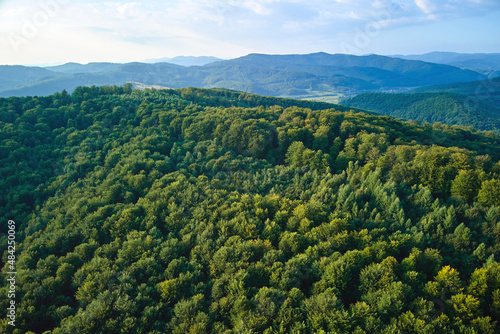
{"x": 483, "y": 91}
{"x": 214, "y": 211}
{"x": 481, "y": 112}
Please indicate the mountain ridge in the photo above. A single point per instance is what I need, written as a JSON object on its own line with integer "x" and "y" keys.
{"x": 185, "y": 60}
{"x": 486, "y": 63}
{"x": 309, "y": 75}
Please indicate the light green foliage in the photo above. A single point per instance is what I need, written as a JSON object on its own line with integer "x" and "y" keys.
{"x": 466, "y": 185}
{"x": 489, "y": 194}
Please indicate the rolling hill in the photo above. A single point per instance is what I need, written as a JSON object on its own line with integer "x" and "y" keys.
{"x": 447, "y": 108}
{"x": 474, "y": 104}
{"x": 485, "y": 91}
{"x": 299, "y": 76}
{"x": 212, "y": 211}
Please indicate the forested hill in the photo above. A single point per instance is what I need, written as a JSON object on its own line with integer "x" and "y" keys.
{"x": 444, "y": 107}
{"x": 318, "y": 75}
{"x": 213, "y": 211}
{"x": 484, "y": 91}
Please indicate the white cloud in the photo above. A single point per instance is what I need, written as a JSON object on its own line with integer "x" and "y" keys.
{"x": 258, "y": 7}
{"x": 378, "y": 4}
{"x": 219, "y": 27}
{"x": 425, "y": 5}
{"x": 15, "y": 12}
{"x": 122, "y": 10}
{"x": 130, "y": 9}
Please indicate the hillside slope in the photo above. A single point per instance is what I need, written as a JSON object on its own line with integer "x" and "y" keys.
{"x": 474, "y": 104}
{"x": 214, "y": 211}
{"x": 447, "y": 108}
{"x": 301, "y": 76}
{"x": 483, "y": 91}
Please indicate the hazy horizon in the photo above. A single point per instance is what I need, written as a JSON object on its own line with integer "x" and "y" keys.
{"x": 160, "y": 59}
{"x": 48, "y": 32}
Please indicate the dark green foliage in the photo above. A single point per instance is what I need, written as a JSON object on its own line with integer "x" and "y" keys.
{"x": 214, "y": 211}
{"x": 485, "y": 91}
{"x": 480, "y": 111}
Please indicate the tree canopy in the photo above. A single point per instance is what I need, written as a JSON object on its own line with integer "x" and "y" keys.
{"x": 214, "y": 211}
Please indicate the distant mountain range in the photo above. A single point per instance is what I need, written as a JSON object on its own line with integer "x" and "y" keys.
{"x": 486, "y": 63}
{"x": 185, "y": 60}
{"x": 319, "y": 76}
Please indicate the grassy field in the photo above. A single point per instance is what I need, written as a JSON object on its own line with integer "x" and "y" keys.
{"x": 328, "y": 97}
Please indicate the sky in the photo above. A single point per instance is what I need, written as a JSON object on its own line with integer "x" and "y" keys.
{"x": 48, "y": 32}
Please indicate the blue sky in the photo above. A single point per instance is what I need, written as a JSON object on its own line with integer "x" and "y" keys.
{"x": 58, "y": 31}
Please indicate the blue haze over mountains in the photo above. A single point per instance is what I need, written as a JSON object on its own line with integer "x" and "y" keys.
{"x": 487, "y": 63}
{"x": 296, "y": 76}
